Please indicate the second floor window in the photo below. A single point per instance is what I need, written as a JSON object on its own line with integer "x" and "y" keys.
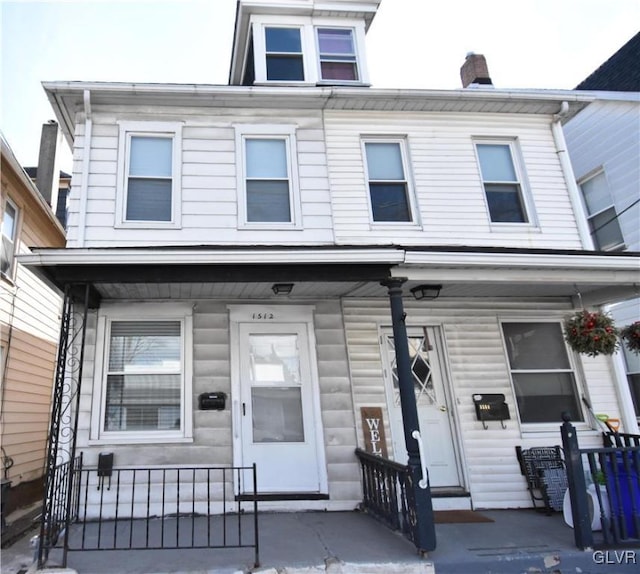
{"x": 337, "y": 53}
{"x": 502, "y": 185}
{"x": 603, "y": 220}
{"x": 388, "y": 186}
{"x": 267, "y": 180}
{"x": 284, "y": 54}
{"x": 9, "y": 234}
{"x": 149, "y": 179}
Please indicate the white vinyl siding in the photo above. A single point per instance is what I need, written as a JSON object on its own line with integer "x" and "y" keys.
{"x": 450, "y": 201}
{"x": 209, "y": 185}
{"x": 605, "y": 137}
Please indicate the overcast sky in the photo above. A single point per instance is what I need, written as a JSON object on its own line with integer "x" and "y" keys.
{"x": 411, "y": 44}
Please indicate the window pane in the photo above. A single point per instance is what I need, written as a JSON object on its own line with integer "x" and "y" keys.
{"x": 6, "y": 258}
{"x": 285, "y": 68}
{"x": 496, "y": 163}
{"x": 268, "y": 201}
{"x": 335, "y": 41}
{"x": 338, "y": 71}
{"x": 143, "y": 402}
{"x": 596, "y": 193}
{"x": 543, "y": 397}
{"x": 634, "y": 385}
{"x": 266, "y": 158}
{"x": 151, "y": 156}
{"x": 535, "y": 346}
{"x": 9, "y": 221}
{"x": 389, "y": 202}
{"x": 384, "y": 161}
{"x": 277, "y": 414}
{"x": 505, "y": 205}
{"x": 143, "y": 346}
{"x": 606, "y": 230}
{"x": 283, "y": 40}
{"x": 274, "y": 359}
{"x": 149, "y": 200}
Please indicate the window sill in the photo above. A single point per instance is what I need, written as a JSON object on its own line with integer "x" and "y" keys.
{"x": 147, "y": 225}
{"x": 7, "y": 279}
{"x": 552, "y": 430}
{"x": 270, "y": 226}
{"x": 159, "y": 439}
{"x": 511, "y": 227}
{"x": 395, "y": 225}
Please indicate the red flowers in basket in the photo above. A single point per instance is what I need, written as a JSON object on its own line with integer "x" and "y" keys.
{"x": 592, "y": 334}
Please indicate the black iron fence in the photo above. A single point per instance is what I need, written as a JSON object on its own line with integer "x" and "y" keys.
{"x": 604, "y": 489}
{"x": 385, "y": 484}
{"x": 161, "y": 508}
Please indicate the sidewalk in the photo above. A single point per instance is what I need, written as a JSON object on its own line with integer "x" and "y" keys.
{"x": 516, "y": 542}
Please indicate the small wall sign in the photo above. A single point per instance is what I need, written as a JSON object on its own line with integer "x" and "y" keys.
{"x": 375, "y": 440}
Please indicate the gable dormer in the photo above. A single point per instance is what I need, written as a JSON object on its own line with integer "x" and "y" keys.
{"x": 301, "y": 42}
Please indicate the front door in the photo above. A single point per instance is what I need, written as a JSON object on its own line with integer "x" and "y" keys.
{"x": 433, "y": 407}
{"x": 276, "y": 403}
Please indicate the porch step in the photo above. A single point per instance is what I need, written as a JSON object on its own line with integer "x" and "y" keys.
{"x": 450, "y": 498}
{"x": 278, "y": 496}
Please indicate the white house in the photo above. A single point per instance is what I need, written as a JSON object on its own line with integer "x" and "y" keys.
{"x": 604, "y": 145}
{"x": 233, "y": 240}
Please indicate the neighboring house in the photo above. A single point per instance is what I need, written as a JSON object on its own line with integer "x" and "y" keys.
{"x": 233, "y": 240}
{"x": 62, "y": 200}
{"x": 604, "y": 146}
{"x": 30, "y": 320}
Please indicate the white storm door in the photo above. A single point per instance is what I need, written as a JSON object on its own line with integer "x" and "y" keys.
{"x": 277, "y": 412}
{"x": 433, "y": 408}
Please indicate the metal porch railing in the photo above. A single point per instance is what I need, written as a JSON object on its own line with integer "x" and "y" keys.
{"x": 384, "y": 485}
{"x": 162, "y": 508}
{"x": 614, "y": 472}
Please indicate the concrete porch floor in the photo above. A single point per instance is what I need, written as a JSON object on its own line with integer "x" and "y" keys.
{"x": 517, "y": 541}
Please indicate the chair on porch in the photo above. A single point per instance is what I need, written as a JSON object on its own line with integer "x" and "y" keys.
{"x": 546, "y": 475}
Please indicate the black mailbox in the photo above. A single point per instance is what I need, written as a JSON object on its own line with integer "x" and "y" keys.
{"x": 212, "y": 401}
{"x": 491, "y": 407}
{"x": 105, "y": 464}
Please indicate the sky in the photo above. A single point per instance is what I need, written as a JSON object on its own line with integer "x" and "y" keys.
{"x": 411, "y": 44}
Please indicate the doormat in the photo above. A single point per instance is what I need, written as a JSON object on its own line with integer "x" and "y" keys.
{"x": 459, "y": 516}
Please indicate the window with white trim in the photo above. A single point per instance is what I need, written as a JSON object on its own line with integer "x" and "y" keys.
{"x": 502, "y": 182}
{"x": 268, "y": 173}
{"x": 387, "y": 180}
{"x": 9, "y": 238}
{"x": 543, "y": 379}
{"x": 337, "y": 54}
{"x": 602, "y": 216}
{"x": 145, "y": 384}
{"x": 283, "y": 51}
{"x": 149, "y": 193}
{"x": 632, "y": 363}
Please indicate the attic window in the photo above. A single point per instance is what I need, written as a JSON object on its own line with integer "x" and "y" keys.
{"x": 337, "y": 54}
{"x": 284, "y": 54}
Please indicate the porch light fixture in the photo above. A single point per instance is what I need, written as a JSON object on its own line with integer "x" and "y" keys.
{"x": 428, "y": 292}
{"x": 282, "y": 288}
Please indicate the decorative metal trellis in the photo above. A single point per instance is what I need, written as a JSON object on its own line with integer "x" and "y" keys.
{"x": 60, "y": 487}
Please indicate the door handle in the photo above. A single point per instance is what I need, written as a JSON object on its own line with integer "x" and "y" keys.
{"x": 443, "y": 408}
{"x": 244, "y": 410}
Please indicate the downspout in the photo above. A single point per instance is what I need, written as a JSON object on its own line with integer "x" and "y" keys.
{"x": 625, "y": 401}
{"x": 569, "y": 177}
{"x": 84, "y": 182}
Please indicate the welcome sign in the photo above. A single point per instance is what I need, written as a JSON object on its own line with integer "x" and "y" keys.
{"x": 375, "y": 441}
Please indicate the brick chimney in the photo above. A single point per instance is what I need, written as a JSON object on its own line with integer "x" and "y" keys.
{"x": 475, "y": 71}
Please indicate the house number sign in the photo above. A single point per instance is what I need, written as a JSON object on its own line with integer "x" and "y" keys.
{"x": 266, "y": 316}
{"x": 375, "y": 441}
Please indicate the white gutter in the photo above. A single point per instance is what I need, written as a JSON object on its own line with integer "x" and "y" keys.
{"x": 213, "y": 257}
{"x": 84, "y": 182}
{"x": 570, "y": 178}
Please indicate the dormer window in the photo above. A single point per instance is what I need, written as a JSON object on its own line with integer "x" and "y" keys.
{"x": 337, "y": 53}
{"x": 283, "y": 49}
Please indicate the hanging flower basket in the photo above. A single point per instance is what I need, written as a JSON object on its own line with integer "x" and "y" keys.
{"x": 592, "y": 334}
{"x": 631, "y": 337}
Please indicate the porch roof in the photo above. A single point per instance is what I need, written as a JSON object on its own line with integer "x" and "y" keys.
{"x": 340, "y": 271}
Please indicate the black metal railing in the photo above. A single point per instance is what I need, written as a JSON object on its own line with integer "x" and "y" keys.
{"x": 384, "y": 484}
{"x": 614, "y": 487}
{"x": 164, "y": 508}
{"x": 620, "y": 439}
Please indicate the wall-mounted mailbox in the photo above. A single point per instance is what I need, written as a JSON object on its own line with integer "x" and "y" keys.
{"x": 105, "y": 464}
{"x": 212, "y": 401}
{"x": 491, "y": 407}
